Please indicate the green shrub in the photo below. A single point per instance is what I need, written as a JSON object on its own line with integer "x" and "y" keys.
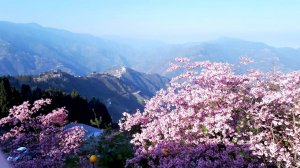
{"x": 114, "y": 149}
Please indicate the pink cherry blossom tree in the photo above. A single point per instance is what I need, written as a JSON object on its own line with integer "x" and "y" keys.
{"x": 43, "y": 135}
{"x": 211, "y": 116}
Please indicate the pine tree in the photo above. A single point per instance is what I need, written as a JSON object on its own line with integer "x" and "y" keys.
{"x": 5, "y": 97}
{"x": 26, "y": 92}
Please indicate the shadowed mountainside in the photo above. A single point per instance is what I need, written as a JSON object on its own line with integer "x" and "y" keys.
{"x": 121, "y": 92}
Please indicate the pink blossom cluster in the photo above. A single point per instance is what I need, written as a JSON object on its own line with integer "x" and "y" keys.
{"x": 211, "y": 116}
{"x": 43, "y": 135}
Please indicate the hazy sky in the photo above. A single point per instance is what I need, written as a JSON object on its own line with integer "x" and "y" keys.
{"x": 275, "y": 22}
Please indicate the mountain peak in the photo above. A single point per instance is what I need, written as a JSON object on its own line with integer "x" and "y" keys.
{"x": 118, "y": 72}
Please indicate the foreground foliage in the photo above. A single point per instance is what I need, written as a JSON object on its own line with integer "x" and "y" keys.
{"x": 114, "y": 149}
{"x": 210, "y": 116}
{"x": 48, "y": 143}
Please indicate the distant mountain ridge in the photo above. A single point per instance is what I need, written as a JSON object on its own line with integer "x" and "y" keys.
{"x": 124, "y": 93}
{"x": 33, "y": 49}
{"x": 230, "y": 49}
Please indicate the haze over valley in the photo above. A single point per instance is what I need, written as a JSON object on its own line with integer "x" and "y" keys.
{"x": 32, "y": 49}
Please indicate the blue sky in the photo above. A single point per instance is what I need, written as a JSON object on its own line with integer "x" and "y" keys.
{"x": 276, "y": 22}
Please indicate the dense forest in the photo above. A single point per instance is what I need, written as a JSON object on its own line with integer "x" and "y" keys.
{"x": 79, "y": 108}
